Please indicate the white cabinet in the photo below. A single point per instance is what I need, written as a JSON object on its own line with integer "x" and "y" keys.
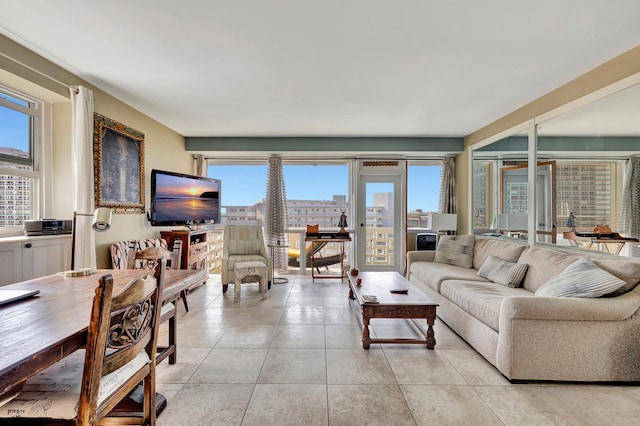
{"x": 10, "y": 263}
{"x": 24, "y": 258}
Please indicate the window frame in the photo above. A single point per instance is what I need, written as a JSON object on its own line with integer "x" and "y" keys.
{"x": 39, "y": 159}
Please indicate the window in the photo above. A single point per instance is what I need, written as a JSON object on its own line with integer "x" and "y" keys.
{"x": 316, "y": 193}
{"x": 20, "y": 145}
{"x": 585, "y": 189}
{"x": 423, "y": 191}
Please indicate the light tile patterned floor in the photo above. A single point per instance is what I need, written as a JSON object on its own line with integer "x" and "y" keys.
{"x": 296, "y": 359}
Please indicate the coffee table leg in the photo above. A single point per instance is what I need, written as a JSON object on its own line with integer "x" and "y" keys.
{"x": 431, "y": 319}
{"x": 366, "y": 316}
{"x": 351, "y": 296}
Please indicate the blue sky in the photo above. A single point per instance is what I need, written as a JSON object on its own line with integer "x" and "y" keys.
{"x": 245, "y": 185}
{"x": 14, "y": 128}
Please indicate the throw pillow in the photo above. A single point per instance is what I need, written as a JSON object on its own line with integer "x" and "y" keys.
{"x": 502, "y": 272}
{"x": 582, "y": 278}
{"x": 455, "y": 250}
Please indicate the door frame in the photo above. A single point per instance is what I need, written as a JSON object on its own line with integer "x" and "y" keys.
{"x": 393, "y": 172}
{"x": 551, "y": 195}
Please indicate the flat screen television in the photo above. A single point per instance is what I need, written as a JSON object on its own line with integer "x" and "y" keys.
{"x": 180, "y": 199}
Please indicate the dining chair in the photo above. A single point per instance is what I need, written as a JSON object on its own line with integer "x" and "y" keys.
{"x": 147, "y": 258}
{"x": 120, "y": 353}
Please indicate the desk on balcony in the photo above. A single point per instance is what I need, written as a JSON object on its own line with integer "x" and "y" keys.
{"x": 588, "y": 239}
{"x": 328, "y": 237}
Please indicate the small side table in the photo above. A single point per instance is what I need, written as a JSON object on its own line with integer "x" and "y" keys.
{"x": 272, "y": 248}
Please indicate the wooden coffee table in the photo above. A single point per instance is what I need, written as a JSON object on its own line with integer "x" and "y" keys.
{"x": 413, "y": 305}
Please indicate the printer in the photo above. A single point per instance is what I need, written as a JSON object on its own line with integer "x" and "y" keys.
{"x": 47, "y": 227}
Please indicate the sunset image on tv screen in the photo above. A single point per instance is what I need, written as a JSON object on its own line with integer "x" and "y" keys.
{"x": 179, "y": 197}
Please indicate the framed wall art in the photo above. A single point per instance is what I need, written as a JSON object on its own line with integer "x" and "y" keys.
{"x": 118, "y": 163}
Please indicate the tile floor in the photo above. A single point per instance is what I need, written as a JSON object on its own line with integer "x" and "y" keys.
{"x": 296, "y": 359}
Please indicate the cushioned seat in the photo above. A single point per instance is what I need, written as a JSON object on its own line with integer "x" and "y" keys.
{"x": 253, "y": 268}
{"x": 482, "y": 300}
{"x": 439, "y": 272}
{"x": 243, "y": 243}
{"x": 54, "y": 393}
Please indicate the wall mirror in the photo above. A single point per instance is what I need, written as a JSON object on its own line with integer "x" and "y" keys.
{"x": 582, "y": 155}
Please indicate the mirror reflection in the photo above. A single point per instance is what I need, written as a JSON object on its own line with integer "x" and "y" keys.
{"x": 588, "y": 173}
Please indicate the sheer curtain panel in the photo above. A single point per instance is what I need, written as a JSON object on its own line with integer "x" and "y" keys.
{"x": 629, "y": 216}
{"x": 447, "y": 202}
{"x": 82, "y": 174}
{"x": 276, "y": 212}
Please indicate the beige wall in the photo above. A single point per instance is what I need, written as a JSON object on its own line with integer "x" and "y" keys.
{"x": 164, "y": 148}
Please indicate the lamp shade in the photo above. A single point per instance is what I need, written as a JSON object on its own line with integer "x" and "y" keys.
{"x": 101, "y": 219}
{"x": 513, "y": 221}
{"x": 444, "y": 221}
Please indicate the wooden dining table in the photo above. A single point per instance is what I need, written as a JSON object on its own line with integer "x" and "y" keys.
{"x": 41, "y": 330}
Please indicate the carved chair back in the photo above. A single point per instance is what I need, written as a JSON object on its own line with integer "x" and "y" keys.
{"x": 121, "y": 328}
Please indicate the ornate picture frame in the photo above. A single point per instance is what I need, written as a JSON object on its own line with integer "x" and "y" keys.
{"x": 118, "y": 165}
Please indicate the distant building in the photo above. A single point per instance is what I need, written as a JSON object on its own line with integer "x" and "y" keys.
{"x": 15, "y": 194}
{"x": 380, "y": 215}
{"x": 325, "y": 213}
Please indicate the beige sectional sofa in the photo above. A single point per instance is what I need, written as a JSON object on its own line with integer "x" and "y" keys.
{"x": 529, "y": 337}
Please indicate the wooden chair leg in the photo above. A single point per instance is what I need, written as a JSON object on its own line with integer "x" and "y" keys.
{"x": 183, "y": 296}
{"x": 173, "y": 339}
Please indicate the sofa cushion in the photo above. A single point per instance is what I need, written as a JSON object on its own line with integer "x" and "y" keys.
{"x": 455, "y": 250}
{"x": 502, "y": 272}
{"x": 583, "y": 278}
{"x": 55, "y": 391}
{"x": 544, "y": 264}
{"x": 480, "y": 299}
{"x": 243, "y": 258}
{"x": 433, "y": 274}
{"x": 508, "y": 249}
{"x": 625, "y": 269}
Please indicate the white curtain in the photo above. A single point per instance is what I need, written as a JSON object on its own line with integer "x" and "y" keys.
{"x": 276, "y": 212}
{"x": 447, "y": 202}
{"x": 82, "y": 175}
{"x": 630, "y": 209}
{"x": 201, "y": 165}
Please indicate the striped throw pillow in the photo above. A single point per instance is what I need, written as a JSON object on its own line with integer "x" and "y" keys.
{"x": 582, "y": 278}
{"x": 502, "y": 272}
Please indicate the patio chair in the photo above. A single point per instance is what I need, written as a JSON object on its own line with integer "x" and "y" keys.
{"x": 313, "y": 251}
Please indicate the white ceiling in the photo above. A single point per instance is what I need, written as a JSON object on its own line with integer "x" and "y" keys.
{"x": 325, "y": 68}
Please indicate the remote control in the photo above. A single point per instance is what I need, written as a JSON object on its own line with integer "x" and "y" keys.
{"x": 399, "y": 290}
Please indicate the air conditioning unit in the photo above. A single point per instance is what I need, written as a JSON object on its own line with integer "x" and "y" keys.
{"x": 426, "y": 241}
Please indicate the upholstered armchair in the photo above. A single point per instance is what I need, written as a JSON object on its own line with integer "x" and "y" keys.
{"x": 243, "y": 243}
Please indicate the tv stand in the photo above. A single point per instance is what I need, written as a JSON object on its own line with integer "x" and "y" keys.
{"x": 195, "y": 249}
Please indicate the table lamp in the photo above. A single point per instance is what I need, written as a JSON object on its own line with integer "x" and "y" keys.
{"x": 443, "y": 222}
{"x": 101, "y": 222}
